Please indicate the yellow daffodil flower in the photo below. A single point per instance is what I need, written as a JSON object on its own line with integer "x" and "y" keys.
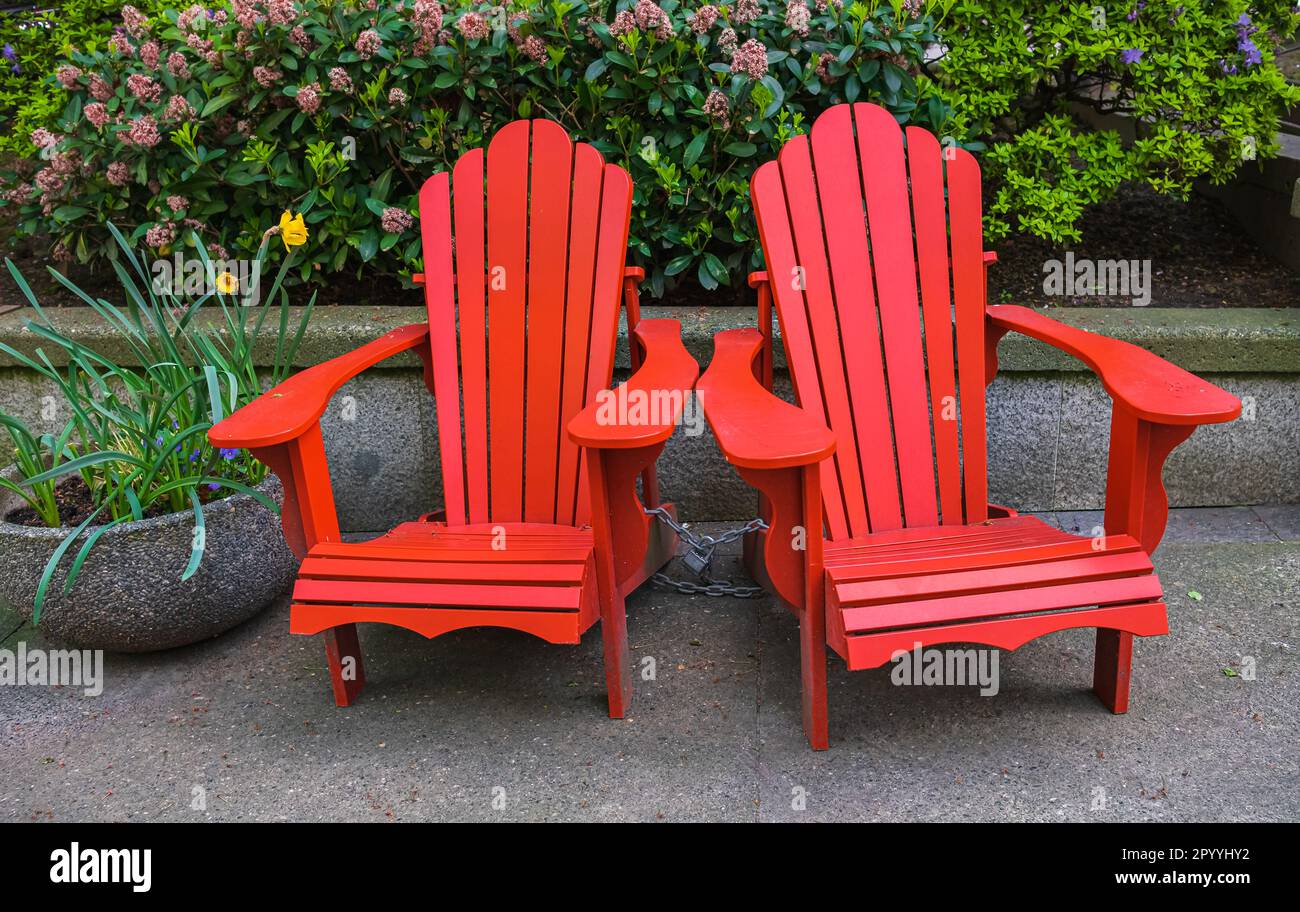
{"x": 293, "y": 230}
{"x": 227, "y": 283}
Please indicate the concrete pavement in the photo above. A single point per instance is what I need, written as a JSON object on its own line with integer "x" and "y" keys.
{"x": 493, "y": 725}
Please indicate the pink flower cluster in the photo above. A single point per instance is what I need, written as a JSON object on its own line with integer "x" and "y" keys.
{"x": 122, "y": 44}
{"x": 650, "y": 17}
{"x": 533, "y": 48}
{"x": 186, "y": 20}
{"x": 797, "y": 16}
{"x": 143, "y": 132}
{"x": 824, "y": 68}
{"x": 137, "y": 26}
{"x": 395, "y": 221}
{"x": 718, "y": 109}
{"x": 265, "y": 76}
{"x": 396, "y": 97}
{"x": 178, "y": 108}
{"x": 474, "y": 26}
{"x": 702, "y": 19}
{"x": 624, "y": 23}
{"x": 18, "y": 194}
{"x": 143, "y": 87}
{"x": 177, "y": 203}
{"x": 368, "y": 44}
{"x": 751, "y": 59}
{"x": 67, "y": 75}
{"x": 340, "y": 81}
{"x": 426, "y": 16}
{"x": 42, "y": 138}
{"x": 745, "y": 11}
{"x": 246, "y": 13}
{"x": 161, "y": 234}
{"x": 150, "y": 53}
{"x": 50, "y": 182}
{"x": 298, "y": 35}
{"x": 99, "y": 89}
{"x": 97, "y": 113}
{"x": 177, "y": 66}
{"x": 308, "y": 98}
{"x": 281, "y": 12}
{"x": 204, "y": 47}
{"x": 118, "y": 174}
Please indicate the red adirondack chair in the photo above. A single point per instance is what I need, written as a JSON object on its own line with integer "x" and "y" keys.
{"x": 883, "y": 464}
{"x": 522, "y": 322}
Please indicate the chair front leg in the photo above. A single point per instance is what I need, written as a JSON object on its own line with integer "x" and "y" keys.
{"x": 622, "y": 533}
{"x": 1136, "y": 505}
{"x": 308, "y": 516}
{"x": 791, "y": 565}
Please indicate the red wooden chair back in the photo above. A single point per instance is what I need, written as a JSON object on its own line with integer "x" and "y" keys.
{"x": 523, "y": 317}
{"x": 869, "y": 286}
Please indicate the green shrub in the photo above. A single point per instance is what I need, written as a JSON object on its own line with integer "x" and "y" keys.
{"x": 340, "y": 112}
{"x": 33, "y": 42}
{"x": 1197, "y": 78}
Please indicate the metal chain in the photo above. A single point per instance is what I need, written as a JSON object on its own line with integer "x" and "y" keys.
{"x": 700, "y": 558}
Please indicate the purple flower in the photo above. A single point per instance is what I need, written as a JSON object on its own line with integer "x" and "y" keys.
{"x": 227, "y": 453}
{"x": 1132, "y": 55}
{"x": 10, "y": 53}
{"x": 213, "y": 486}
{"x": 1252, "y": 54}
{"x": 1244, "y": 44}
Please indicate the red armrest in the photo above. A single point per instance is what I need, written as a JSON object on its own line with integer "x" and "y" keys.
{"x": 287, "y": 411}
{"x": 646, "y": 408}
{"x": 1152, "y": 388}
{"x": 754, "y": 428}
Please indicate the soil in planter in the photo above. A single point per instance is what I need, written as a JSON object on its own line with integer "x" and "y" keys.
{"x": 1200, "y": 257}
{"x": 76, "y": 504}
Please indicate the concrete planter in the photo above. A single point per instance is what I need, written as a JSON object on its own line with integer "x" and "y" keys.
{"x": 129, "y": 596}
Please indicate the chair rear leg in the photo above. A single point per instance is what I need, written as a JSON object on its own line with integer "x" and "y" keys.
{"x": 343, "y": 652}
{"x": 1112, "y": 668}
{"x": 812, "y": 662}
{"x": 618, "y": 671}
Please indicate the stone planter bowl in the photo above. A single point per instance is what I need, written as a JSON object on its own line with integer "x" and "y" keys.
{"x": 129, "y": 596}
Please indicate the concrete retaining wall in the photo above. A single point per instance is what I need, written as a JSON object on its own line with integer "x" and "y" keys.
{"x": 1048, "y": 417}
